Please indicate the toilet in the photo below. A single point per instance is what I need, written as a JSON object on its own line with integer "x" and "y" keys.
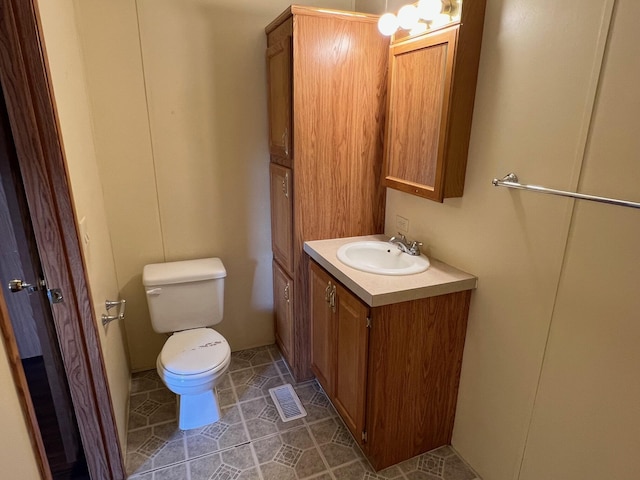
{"x": 185, "y": 299}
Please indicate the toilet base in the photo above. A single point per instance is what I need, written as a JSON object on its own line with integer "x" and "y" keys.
{"x": 195, "y": 411}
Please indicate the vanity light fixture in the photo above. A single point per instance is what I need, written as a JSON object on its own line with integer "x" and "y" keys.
{"x": 420, "y": 17}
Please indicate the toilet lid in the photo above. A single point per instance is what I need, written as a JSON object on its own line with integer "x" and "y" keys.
{"x": 194, "y": 351}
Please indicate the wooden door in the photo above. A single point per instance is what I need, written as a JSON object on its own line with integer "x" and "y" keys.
{"x": 279, "y": 77}
{"x": 31, "y": 318}
{"x": 352, "y": 345}
{"x": 283, "y": 307}
{"x": 322, "y": 327}
{"x": 282, "y": 216}
{"x": 419, "y": 94}
{"x": 33, "y": 119}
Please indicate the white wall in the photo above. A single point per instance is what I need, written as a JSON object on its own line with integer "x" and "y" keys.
{"x": 178, "y": 93}
{"x": 539, "y": 70}
{"x": 587, "y": 411}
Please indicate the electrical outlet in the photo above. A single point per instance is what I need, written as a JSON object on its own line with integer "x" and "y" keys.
{"x": 402, "y": 224}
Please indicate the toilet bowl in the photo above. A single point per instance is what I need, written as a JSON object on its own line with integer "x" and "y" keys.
{"x": 191, "y": 364}
{"x": 186, "y": 298}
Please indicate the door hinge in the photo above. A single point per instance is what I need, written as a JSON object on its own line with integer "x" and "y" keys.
{"x": 368, "y": 322}
{"x": 364, "y": 436}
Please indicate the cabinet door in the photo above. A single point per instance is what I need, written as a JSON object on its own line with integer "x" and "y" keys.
{"x": 283, "y": 306}
{"x": 352, "y": 342}
{"x": 282, "y": 216}
{"x": 419, "y": 93}
{"x": 279, "y": 77}
{"x": 322, "y": 327}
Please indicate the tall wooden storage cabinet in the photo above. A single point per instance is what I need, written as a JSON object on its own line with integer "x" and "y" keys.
{"x": 326, "y": 73}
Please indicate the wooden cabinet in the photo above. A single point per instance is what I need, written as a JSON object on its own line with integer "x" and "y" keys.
{"x": 327, "y": 97}
{"x": 279, "y": 75}
{"x": 392, "y": 371}
{"x": 283, "y": 309}
{"x": 322, "y": 327}
{"x": 432, "y": 83}
{"x": 351, "y": 344}
{"x": 281, "y": 216}
{"x": 339, "y": 344}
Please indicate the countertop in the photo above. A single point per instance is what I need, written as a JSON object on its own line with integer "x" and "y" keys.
{"x": 377, "y": 290}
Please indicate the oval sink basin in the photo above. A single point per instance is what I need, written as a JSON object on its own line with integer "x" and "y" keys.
{"x": 382, "y": 258}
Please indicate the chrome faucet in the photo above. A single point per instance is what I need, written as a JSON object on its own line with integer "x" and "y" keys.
{"x": 412, "y": 248}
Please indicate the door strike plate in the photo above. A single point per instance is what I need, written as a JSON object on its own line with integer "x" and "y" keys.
{"x": 55, "y": 295}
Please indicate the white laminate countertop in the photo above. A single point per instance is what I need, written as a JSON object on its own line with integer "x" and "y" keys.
{"x": 377, "y": 290}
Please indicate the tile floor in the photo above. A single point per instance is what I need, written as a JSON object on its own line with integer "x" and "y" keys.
{"x": 250, "y": 442}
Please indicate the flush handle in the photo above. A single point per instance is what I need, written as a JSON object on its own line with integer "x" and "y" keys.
{"x": 154, "y": 291}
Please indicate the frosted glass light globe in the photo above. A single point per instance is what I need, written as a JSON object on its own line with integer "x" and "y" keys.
{"x": 408, "y": 17}
{"x": 429, "y": 9}
{"x": 388, "y": 24}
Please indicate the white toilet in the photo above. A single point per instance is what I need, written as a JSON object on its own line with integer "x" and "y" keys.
{"x": 185, "y": 298}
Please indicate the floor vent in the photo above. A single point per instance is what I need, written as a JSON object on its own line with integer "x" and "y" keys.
{"x": 287, "y": 403}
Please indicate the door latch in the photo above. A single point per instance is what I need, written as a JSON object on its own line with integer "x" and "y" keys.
{"x": 17, "y": 285}
{"x": 54, "y": 294}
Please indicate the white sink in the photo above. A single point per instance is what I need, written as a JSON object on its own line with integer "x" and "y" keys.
{"x": 382, "y": 258}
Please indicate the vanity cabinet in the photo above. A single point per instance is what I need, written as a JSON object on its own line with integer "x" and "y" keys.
{"x": 326, "y": 74}
{"x": 391, "y": 371}
{"x": 432, "y": 84}
{"x": 339, "y": 345}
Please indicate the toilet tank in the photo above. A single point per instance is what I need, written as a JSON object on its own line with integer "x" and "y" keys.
{"x": 184, "y": 295}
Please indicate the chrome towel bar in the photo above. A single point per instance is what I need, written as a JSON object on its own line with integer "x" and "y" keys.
{"x": 511, "y": 181}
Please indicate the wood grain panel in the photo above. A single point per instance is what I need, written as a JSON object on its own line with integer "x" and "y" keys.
{"x": 322, "y": 328}
{"x": 463, "y": 95}
{"x": 19, "y": 259}
{"x": 283, "y": 289}
{"x": 418, "y": 349}
{"x": 420, "y": 86}
{"x": 282, "y": 215}
{"x": 33, "y": 119}
{"x": 352, "y": 345}
{"x": 279, "y": 58}
{"x": 414, "y": 138}
{"x": 339, "y": 79}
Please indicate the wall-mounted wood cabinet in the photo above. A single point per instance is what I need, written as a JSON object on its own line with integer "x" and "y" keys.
{"x": 392, "y": 371}
{"x": 432, "y": 84}
{"x": 326, "y": 73}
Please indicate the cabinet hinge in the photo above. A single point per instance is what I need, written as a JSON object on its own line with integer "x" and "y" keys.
{"x": 364, "y": 436}
{"x": 368, "y": 322}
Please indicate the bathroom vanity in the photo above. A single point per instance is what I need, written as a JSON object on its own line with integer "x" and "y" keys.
{"x": 387, "y": 350}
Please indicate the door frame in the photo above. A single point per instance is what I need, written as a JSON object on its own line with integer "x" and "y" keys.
{"x": 34, "y": 124}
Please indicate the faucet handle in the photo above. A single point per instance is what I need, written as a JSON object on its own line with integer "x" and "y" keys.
{"x": 415, "y": 248}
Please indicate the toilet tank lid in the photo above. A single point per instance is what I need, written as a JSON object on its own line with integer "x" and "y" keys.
{"x": 182, "y": 272}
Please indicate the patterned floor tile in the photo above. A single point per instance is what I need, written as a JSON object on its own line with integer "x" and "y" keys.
{"x": 251, "y": 442}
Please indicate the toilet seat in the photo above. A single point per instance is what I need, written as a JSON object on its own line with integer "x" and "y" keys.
{"x": 198, "y": 352}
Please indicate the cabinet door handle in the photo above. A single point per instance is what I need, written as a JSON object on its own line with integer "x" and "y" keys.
{"x": 332, "y": 299}
{"x": 286, "y": 292}
{"x": 285, "y": 185}
{"x": 285, "y": 142}
{"x": 327, "y": 292}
